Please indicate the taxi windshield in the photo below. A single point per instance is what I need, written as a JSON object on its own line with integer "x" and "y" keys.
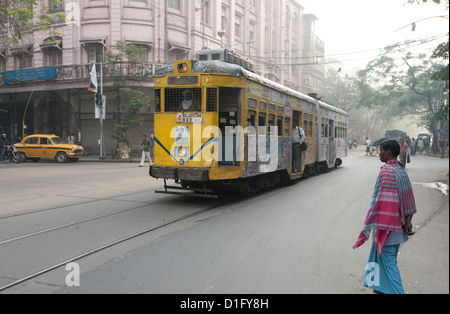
{"x": 57, "y": 140}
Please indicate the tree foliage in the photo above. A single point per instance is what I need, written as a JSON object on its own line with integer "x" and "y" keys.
{"x": 19, "y": 17}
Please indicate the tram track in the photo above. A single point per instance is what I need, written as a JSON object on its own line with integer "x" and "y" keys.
{"x": 88, "y": 200}
{"x": 103, "y": 247}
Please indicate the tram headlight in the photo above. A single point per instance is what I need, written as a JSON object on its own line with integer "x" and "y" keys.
{"x": 181, "y": 151}
{"x": 182, "y": 67}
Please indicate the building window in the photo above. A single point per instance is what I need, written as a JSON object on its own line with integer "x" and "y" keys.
{"x": 55, "y": 5}
{"x": 53, "y": 56}
{"x": 206, "y": 16}
{"x": 94, "y": 53}
{"x": 224, "y": 20}
{"x": 174, "y": 4}
{"x": 237, "y": 26}
{"x": 25, "y": 60}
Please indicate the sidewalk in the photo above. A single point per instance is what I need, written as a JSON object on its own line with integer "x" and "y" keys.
{"x": 92, "y": 158}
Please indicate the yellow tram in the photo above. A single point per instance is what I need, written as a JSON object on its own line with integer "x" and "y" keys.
{"x": 219, "y": 126}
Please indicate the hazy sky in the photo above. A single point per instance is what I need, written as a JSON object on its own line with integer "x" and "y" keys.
{"x": 350, "y": 26}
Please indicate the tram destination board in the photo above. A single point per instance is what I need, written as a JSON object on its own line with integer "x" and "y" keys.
{"x": 189, "y": 117}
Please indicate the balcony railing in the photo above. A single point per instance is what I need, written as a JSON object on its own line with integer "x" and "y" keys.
{"x": 110, "y": 70}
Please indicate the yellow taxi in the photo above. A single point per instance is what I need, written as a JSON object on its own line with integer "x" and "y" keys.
{"x": 39, "y": 146}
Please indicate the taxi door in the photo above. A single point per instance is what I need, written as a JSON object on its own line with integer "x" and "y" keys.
{"x": 45, "y": 148}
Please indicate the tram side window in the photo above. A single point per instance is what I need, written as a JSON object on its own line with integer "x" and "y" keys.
{"x": 211, "y": 100}
{"x": 287, "y": 123}
{"x": 182, "y": 99}
{"x": 305, "y": 124}
{"x": 271, "y": 122}
{"x": 280, "y": 125}
{"x": 262, "y": 124}
{"x": 324, "y": 131}
{"x": 251, "y": 118}
{"x": 158, "y": 100}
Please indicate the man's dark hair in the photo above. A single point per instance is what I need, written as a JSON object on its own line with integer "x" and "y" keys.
{"x": 391, "y": 145}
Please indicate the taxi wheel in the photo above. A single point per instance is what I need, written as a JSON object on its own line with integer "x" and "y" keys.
{"x": 61, "y": 157}
{"x": 23, "y": 157}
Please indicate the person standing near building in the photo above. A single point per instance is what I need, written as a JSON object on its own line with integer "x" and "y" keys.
{"x": 146, "y": 151}
{"x": 3, "y": 146}
{"x": 389, "y": 217}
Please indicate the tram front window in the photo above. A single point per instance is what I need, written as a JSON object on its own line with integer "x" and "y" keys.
{"x": 183, "y": 99}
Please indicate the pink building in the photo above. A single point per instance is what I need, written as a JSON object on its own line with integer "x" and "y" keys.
{"x": 44, "y": 80}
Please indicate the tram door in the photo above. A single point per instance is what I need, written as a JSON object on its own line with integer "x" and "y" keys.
{"x": 296, "y": 118}
{"x": 331, "y": 136}
{"x": 229, "y": 104}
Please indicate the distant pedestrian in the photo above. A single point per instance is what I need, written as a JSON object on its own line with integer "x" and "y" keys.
{"x": 442, "y": 146}
{"x": 3, "y": 145}
{"x": 368, "y": 142}
{"x": 146, "y": 151}
{"x": 403, "y": 151}
{"x": 389, "y": 216}
{"x": 71, "y": 139}
{"x": 413, "y": 146}
{"x": 420, "y": 145}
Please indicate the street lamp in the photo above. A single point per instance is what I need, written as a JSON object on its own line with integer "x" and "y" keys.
{"x": 221, "y": 33}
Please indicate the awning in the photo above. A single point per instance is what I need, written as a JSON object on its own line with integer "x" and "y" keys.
{"x": 143, "y": 42}
{"x": 52, "y": 42}
{"x": 26, "y": 48}
{"x": 94, "y": 40}
{"x": 178, "y": 46}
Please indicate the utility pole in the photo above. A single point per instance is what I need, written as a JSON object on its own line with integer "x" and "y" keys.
{"x": 101, "y": 107}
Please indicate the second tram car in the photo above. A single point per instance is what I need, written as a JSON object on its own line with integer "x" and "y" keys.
{"x": 219, "y": 126}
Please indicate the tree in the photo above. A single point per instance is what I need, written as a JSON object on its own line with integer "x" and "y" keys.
{"x": 17, "y": 18}
{"x": 400, "y": 83}
{"x": 132, "y": 100}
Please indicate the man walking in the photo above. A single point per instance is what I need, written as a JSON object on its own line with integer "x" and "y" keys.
{"x": 146, "y": 151}
{"x": 389, "y": 216}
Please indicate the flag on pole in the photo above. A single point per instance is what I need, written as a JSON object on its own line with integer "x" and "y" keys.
{"x": 93, "y": 80}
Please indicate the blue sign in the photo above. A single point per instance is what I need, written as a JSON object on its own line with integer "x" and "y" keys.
{"x": 25, "y": 75}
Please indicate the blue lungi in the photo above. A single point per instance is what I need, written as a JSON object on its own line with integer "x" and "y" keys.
{"x": 382, "y": 273}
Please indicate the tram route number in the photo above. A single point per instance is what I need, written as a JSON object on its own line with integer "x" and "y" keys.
{"x": 225, "y": 304}
{"x": 189, "y": 117}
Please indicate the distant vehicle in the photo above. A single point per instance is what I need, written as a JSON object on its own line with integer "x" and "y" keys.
{"x": 39, "y": 146}
{"x": 425, "y": 137}
{"x": 395, "y": 135}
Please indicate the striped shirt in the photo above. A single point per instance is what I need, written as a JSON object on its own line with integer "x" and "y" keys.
{"x": 392, "y": 200}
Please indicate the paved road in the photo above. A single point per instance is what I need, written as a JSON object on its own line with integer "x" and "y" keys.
{"x": 293, "y": 239}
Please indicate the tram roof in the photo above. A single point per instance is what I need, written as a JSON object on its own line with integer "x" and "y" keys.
{"x": 217, "y": 66}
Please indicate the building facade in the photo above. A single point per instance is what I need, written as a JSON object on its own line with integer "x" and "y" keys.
{"x": 44, "y": 80}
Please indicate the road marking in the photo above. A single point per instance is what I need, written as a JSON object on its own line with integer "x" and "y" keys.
{"x": 435, "y": 185}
